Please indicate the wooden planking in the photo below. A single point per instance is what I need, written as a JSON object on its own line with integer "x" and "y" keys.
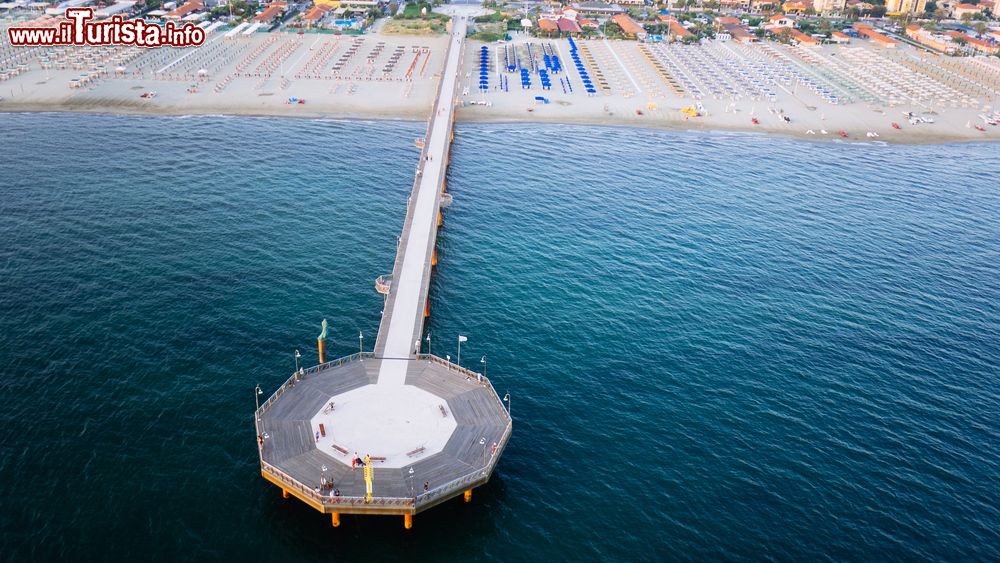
{"x": 285, "y": 439}
{"x": 304, "y": 400}
{"x": 478, "y": 406}
{"x": 291, "y": 445}
{"x": 440, "y": 381}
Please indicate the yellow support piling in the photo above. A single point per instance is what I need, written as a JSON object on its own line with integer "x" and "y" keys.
{"x": 468, "y": 495}
{"x": 440, "y": 219}
{"x": 284, "y": 493}
{"x": 407, "y": 521}
{"x": 335, "y": 519}
{"x": 434, "y": 258}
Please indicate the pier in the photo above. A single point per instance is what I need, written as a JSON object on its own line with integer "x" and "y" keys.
{"x": 426, "y": 430}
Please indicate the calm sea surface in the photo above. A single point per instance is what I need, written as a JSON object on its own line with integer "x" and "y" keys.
{"x": 717, "y": 346}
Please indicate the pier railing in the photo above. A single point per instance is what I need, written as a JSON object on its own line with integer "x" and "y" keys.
{"x": 442, "y": 165}
{"x": 435, "y": 495}
{"x": 405, "y": 504}
{"x": 468, "y": 373}
{"x": 476, "y": 477}
{"x": 305, "y": 373}
{"x": 329, "y": 499}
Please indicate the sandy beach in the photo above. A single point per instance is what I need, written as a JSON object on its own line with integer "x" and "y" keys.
{"x": 855, "y": 91}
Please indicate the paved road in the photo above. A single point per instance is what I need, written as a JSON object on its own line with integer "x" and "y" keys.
{"x": 408, "y": 282}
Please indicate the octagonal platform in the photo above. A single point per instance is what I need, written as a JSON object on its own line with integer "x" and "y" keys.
{"x": 444, "y": 426}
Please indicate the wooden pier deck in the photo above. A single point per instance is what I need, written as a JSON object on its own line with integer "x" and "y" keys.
{"x": 433, "y": 430}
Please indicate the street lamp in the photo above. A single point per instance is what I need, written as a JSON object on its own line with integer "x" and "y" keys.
{"x": 507, "y": 399}
{"x": 361, "y": 344}
{"x": 429, "y": 353}
{"x": 256, "y": 397}
{"x": 297, "y": 356}
{"x": 483, "y": 361}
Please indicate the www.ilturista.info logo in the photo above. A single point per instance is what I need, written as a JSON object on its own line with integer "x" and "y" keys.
{"x": 80, "y": 29}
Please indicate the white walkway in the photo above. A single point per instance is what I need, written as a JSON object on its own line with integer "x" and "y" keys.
{"x": 408, "y": 283}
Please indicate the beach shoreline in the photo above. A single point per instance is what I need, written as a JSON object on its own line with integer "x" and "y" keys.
{"x": 464, "y": 115}
{"x": 755, "y": 90}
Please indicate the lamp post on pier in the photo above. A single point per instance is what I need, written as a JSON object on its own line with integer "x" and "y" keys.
{"x": 297, "y": 356}
{"x": 409, "y": 479}
{"x": 361, "y": 344}
{"x": 256, "y": 397}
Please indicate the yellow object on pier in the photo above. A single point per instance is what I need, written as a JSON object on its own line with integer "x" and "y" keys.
{"x": 369, "y": 477}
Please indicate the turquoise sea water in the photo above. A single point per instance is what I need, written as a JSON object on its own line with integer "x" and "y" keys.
{"x": 717, "y": 346}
